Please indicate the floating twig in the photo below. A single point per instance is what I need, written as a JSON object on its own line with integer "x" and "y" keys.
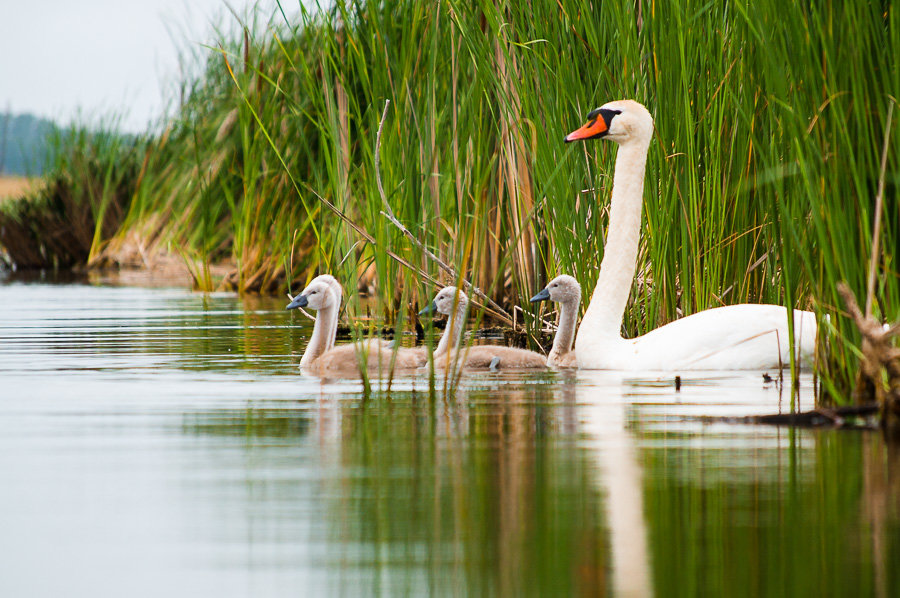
{"x": 853, "y": 416}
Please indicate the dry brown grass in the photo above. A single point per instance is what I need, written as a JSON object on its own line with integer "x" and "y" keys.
{"x": 16, "y": 186}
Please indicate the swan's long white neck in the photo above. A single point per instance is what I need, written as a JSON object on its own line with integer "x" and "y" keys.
{"x": 565, "y": 330}
{"x": 603, "y": 318}
{"x": 322, "y": 339}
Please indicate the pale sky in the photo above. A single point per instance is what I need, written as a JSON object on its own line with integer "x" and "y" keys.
{"x": 59, "y": 57}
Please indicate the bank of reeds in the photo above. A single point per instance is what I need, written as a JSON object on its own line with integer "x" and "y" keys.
{"x": 62, "y": 222}
{"x": 770, "y": 121}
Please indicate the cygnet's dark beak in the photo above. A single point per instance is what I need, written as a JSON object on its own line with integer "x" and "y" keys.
{"x": 427, "y": 311}
{"x": 542, "y": 296}
{"x": 299, "y": 301}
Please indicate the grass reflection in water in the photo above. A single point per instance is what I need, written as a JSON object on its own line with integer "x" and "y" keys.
{"x": 167, "y": 437}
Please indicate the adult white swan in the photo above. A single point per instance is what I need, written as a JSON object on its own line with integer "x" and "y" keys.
{"x": 737, "y": 337}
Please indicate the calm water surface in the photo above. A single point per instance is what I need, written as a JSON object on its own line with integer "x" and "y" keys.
{"x": 158, "y": 442}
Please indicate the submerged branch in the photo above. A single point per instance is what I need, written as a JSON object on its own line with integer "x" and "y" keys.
{"x": 878, "y": 354}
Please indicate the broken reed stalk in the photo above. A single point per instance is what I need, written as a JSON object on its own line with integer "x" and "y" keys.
{"x": 878, "y": 354}
{"x": 498, "y": 311}
{"x": 879, "y": 207}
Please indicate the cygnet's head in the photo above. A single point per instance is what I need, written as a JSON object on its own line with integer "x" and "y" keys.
{"x": 318, "y": 294}
{"x": 447, "y": 299}
{"x": 620, "y": 121}
{"x": 332, "y": 282}
{"x": 561, "y": 289}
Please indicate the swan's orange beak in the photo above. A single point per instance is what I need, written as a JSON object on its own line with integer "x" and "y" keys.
{"x": 596, "y": 127}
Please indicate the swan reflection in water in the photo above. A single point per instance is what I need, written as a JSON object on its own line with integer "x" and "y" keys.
{"x": 620, "y": 476}
{"x": 498, "y": 465}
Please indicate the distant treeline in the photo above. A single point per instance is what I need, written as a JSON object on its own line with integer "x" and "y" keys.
{"x": 23, "y": 144}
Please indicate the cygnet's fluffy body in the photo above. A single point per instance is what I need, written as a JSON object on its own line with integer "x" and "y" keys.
{"x": 375, "y": 355}
{"x": 453, "y": 303}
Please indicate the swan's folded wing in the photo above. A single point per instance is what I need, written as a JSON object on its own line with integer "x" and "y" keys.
{"x": 735, "y": 337}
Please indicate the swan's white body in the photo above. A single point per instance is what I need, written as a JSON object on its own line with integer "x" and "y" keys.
{"x": 734, "y": 337}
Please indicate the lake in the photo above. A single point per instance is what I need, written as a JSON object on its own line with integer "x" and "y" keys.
{"x": 162, "y": 442}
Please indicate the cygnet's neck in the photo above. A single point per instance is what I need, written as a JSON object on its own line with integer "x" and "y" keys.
{"x": 455, "y": 324}
{"x": 565, "y": 330}
{"x": 620, "y": 252}
{"x": 322, "y": 338}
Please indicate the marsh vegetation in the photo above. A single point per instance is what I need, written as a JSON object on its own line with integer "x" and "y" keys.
{"x": 770, "y": 123}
